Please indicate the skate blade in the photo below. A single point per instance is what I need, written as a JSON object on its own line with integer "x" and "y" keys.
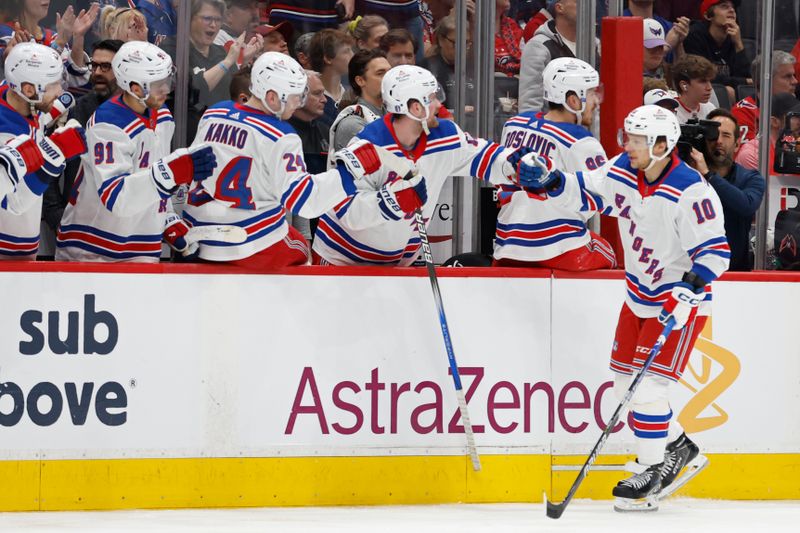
{"x": 642, "y": 505}
{"x": 694, "y": 467}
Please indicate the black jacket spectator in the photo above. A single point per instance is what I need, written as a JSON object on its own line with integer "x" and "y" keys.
{"x": 733, "y": 68}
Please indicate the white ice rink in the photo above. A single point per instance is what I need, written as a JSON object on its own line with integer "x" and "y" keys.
{"x": 675, "y": 516}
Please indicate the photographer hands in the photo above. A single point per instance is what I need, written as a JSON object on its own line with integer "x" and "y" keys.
{"x": 699, "y": 161}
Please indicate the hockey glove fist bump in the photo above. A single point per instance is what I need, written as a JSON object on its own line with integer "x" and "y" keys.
{"x": 537, "y": 172}
{"x": 175, "y": 235}
{"x": 512, "y": 168}
{"x": 70, "y": 139}
{"x": 681, "y": 304}
{"x": 184, "y": 165}
{"x": 399, "y": 198}
{"x": 360, "y": 158}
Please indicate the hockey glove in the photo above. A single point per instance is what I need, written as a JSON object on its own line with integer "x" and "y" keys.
{"x": 681, "y": 304}
{"x": 182, "y": 166}
{"x": 58, "y": 112}
{"x": 25, "y": 154}
{"x": 537, "y": 172}
{"x": 511, "y": 165}
{"x": 175, "y": 235}
{"x": 70, "y": 139}
{"x": 399, "y": 198}
{"x": 54, "y": 160}
{"x": 360, "y": 158}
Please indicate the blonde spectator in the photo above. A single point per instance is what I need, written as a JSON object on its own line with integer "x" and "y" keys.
{"x": 368, "y": 30}
{"x": 128, "y": 25}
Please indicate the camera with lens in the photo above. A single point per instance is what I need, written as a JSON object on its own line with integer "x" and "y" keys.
{"x": 787, "y": 146}
{"x": 695, "y": 134}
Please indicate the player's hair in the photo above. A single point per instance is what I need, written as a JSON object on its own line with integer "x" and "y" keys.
{"x": 779, "y": 58}
{"x": 648, "y": 84}
{"x": 357, "y": 67}
{"x": 720, "y": 112}
{"x": 364, "y": 26}
{"x": 397, "y": 36}
{"x": 111, "y": 45}
{"x": 691, "y": 67}
{"x": 325, "y": 45}
{"x": 240, "y": 84}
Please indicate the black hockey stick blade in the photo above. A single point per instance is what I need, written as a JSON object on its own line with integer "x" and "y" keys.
{"x": 555, "y": 510}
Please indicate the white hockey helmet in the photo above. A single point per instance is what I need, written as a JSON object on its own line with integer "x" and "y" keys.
{"x": 568, "y": 74}
{"x": 652, "y": 122}
{"x": 36, "y": 64}
{"x": 144, "y": 64}
{"x": 274, "y": 71}
{"x": 404, "y": 83}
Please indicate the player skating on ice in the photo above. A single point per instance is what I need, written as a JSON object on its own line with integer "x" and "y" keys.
{"x": 30, "y": 160}
{"x": 262, "y": 174}
{"x": 532, "y": 234}
{"x": 376, "y": 226}
{"x": 672, "y": 232}
{"x": 119, "y": 208}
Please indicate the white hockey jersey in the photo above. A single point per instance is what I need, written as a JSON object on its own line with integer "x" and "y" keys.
{"x": 260, "y": 174}
{"x": 671, "y": 226}
{"x": 115, "y": 211}
{"x": 527, "y": 229}
{"x": 21, "y": 205}
{"x": 357, "y": 232}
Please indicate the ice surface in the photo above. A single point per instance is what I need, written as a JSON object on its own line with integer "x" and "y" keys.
{"x": 675, "y": 516}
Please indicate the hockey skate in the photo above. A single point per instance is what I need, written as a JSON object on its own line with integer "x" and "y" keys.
{"x": 639, "y": 492}
{"x": 681, "y": 455}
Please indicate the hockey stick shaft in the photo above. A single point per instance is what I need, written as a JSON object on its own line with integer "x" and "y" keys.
{"x": 556, "y": 510}
{"x": 451, "y": 357}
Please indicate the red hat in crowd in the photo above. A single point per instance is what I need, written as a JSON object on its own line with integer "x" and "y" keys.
{"x": 708, "y": 4}
{"x": 284, "y": 28}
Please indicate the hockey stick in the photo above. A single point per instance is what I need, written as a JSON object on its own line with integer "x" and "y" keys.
{"x": 451, "y": 357}
{"x": 216, "y": 232}
{"x": 555, "y": 510}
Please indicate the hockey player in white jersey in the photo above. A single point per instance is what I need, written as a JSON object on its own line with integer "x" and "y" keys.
{"x": 530, "y": 234}
{"x": 672, "y": 230}
{"x": 119, "y": 208}
{"x": 364, "y": 231}
{"x": 263, "y": 175}
{"x": 30, "y": 160}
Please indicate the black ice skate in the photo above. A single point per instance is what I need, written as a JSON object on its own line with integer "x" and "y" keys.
{"x": 680, "y": 454}
{"x": 638, "y": 492}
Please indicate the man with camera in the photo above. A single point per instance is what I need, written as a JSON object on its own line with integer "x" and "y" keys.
{"x": 739, "y": 189}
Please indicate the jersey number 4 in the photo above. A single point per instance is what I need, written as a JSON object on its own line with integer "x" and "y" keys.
{"x": 232, "y": 183}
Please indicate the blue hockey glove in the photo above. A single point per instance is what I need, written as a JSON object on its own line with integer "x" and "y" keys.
{"x": 537, "y": 172}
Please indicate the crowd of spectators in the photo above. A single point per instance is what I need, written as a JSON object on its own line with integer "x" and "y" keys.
{"x": 695, "y": 52}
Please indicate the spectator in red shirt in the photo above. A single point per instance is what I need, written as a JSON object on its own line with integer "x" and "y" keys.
{"x": 507, "y": 39}
{"x": 783, "y": 81}
{"x": 782, "y": 104}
